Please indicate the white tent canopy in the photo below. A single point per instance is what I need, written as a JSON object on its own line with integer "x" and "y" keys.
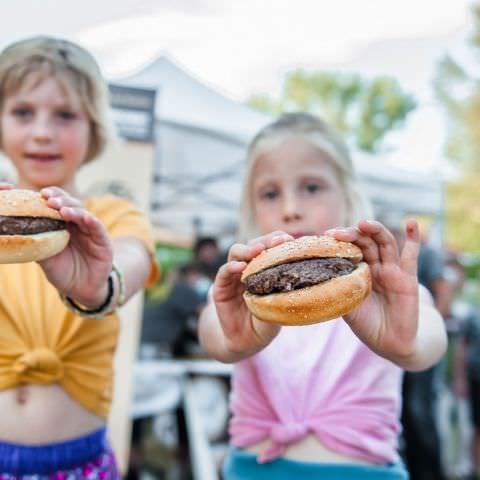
{"x": 201, "y": 138}
{"x": 392, "y": 189}
{"x": 185, "y": 101}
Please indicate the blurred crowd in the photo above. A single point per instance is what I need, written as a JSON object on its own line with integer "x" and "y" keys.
{"x": 170, "y": 327}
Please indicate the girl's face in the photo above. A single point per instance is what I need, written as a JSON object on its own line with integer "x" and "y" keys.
{"x": 45, "y": 135}
{"x": 296, "y": 189}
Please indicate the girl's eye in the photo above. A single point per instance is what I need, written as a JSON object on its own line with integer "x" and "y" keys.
{"x": 66, "y": 115}
{"x": 22, "y": 112}
{"x": 312, "y": 187}
{"x": 269, "y": 195}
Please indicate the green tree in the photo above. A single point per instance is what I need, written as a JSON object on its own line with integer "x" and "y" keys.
{"x": 458, "y": 90}
{"x": 363, "y": 109}
{"x": 462, "y": 213}
{"x": 459, "y": 93}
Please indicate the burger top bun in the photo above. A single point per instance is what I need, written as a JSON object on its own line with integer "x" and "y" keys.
{"x": 21, "y": 248}
{"x": 25, "y": 203}
{"x": 302, "y": 249}
{"x": 327, "y": 300}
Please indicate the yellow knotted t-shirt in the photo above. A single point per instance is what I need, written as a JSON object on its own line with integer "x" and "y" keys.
{"x": 43, "y": 342}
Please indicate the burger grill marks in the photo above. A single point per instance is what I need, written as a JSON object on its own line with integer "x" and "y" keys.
{"x": 292, "y": 276}
{"x": 29, "y": 225}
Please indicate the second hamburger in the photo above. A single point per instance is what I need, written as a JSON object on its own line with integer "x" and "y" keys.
{"x": 29, "y": 229}
{"x": 305, "y": 281}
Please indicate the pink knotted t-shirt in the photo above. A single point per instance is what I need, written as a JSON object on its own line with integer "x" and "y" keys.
{"x": 321, "y": 379}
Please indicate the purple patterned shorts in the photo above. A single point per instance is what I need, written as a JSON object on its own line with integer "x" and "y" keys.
{"x": 88, "y": 458}
{"x": 101, "y": 468}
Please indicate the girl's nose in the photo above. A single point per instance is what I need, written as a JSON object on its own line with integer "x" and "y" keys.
{"x": 41, "y": 130}
{"x": 291, "y": 209}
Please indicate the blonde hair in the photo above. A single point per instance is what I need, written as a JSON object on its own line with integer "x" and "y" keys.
{"x": 37, "y": 58}
{"x": 320, "y": 136}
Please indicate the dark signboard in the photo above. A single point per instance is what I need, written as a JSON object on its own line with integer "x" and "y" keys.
{"x": 133, "y": 111}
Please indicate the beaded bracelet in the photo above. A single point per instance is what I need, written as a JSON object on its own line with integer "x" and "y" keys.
{"x": 121, "y": 286}
{"x": 105, "y": 308}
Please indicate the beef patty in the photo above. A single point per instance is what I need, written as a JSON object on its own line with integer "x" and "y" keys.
{"x": 29, "y": 225}
{"x": 292, "y": 276}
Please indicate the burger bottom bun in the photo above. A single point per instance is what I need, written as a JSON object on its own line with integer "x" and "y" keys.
{"x": 30, "y": 248}
{"x": 324, "y": 301}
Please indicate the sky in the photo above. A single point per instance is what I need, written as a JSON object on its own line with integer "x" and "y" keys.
{"x": 241, "y": 47}
{"x": 249, "y": 46}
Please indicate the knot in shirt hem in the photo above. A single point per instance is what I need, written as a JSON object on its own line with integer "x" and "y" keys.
{"x": 288, "y": 433}
{"x": 40, "y": 363}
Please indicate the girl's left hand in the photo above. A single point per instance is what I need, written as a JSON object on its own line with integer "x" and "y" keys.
{"x": 81, "y": 270}
{"x": 387, "y": 321}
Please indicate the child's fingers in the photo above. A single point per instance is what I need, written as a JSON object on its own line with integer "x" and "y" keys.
{"x": 73, "y": 214}
{"x": 52, "y": 191}
{"x": 411, "y": 249}
{"x": 277, "y": 239}
{"x": 58, "y": 198}
{"x": 368, "y": 246}
{"x": 241, "y": 252}
{"x": 387, "y": 245}
{"x": 85, "y": 222}
{"x": 67, "y": 201}
{"x": 272, "y": 239}
{"x": 227, "y": 281}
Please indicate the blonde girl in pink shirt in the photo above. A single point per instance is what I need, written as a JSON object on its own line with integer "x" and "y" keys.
{"x": 319, "y": 401}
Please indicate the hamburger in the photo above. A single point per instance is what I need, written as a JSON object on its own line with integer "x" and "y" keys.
{"x": 307, "y": 280}
{"x": 29, "y": 229}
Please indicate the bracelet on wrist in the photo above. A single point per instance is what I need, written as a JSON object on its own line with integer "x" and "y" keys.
{"x": 106, "y": 307}
{"x": 121, "y": 285}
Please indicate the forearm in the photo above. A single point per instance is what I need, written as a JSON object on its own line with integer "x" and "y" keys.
{"x": 430, "y": 342}
{"x": 132, "y": 259}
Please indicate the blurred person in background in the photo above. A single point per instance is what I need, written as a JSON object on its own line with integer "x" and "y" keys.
{"x": 422, "y": 448}
{"x": 207, "y": 254}
{"x": 420, "y": 389}
{"x": 169, "y": 326}
{"x": 467, "y": 376}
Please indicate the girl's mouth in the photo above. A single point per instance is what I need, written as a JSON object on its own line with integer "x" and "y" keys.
{"x": 42, "y": 157}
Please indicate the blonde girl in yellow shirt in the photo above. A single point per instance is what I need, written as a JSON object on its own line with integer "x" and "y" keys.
{"x": 58, "y": 326}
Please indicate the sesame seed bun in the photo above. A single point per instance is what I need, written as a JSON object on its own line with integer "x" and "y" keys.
{"x": 20, "y": 248}
{"x": 324, "y": 301}
{"x": 25, "y": 203}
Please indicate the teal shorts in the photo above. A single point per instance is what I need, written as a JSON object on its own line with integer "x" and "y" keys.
{"x": 241, "y": 465}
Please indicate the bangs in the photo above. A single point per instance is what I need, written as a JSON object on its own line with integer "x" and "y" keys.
{"x": 28, "y": 77}
{"x": 25, "y": 77}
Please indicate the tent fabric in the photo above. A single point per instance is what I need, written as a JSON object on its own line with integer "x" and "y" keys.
{"x": 200, "y": 144}
{"x": 183, "y": 100}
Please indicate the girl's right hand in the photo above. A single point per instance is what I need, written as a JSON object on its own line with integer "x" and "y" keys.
{"x": 244, "y": 334}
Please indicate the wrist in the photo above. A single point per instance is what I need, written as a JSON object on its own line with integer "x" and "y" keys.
{"x": 259, "y": 337}
{"x": 113, "y": 296}
{"x": 94, "y": 300}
